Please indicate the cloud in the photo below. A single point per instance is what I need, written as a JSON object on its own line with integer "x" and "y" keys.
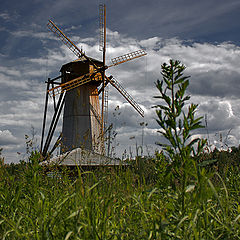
{"x": 214, "y": 71}
{"x": 32, "y": 34}
{"x": 4, "y": 16}
{"x": 6, "y": 138}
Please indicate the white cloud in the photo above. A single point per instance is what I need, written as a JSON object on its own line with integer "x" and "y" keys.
{"x": 31, "y": 33}
{"x": 6, "y": 138}
{"x": 4, "y": 16}
{"x": 214, "y": 71}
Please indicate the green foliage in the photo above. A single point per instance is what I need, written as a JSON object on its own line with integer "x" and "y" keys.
{"x": 1, "y": 158}
{"x": 176, "y": 125}
{"x": 114, "y": 204}
{"x": 184, "y": 172}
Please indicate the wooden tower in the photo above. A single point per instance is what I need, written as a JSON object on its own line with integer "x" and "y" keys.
{"x": 82, "y": 113}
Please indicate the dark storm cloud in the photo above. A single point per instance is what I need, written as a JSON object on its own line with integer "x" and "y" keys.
{"x": 222, "y": 83}
{"x": 213, "y": 21}
{"x": 182, "y": 18}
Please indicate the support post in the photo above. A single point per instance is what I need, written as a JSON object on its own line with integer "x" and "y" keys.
{"x": 54, "y": 123}
{"x": 54, "y": 98}
{"x": 44, "y": 115}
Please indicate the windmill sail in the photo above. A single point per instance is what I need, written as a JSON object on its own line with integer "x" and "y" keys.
{"x": 74, "y": 83}
{"x": 56, "y": 30}
{"x": 126, "y": 95}
{"x": 127, "y": 57}
{"x": 79, "y": 53}
{"x": 101, "y": 27}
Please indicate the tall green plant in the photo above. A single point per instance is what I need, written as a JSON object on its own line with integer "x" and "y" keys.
{"x": 177, "y": 121}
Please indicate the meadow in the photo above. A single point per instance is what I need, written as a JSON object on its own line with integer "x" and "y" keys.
{"x": 184, "y": 191}
{"x": 137, "y": 202}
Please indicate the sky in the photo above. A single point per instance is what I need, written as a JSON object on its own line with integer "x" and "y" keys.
{"x": 204, "y": 35}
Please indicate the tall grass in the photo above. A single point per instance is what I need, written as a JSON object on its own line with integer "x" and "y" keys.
{"x": 114, "y": 204}
{"x": 186, "y": 195}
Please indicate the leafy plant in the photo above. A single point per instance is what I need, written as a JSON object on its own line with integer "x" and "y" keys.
{"x": 177, "y": 126}
{"x": 1, "y": 158}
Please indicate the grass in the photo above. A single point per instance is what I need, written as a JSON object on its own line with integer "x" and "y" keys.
{"x": 115, "y": 204}
{"x": 186, "y": 193}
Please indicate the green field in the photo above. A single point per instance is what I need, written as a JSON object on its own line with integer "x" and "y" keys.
{"x": 134, "y": 203}
{"x": 184, "y": 191}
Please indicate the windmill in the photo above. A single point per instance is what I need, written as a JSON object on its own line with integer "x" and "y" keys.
{"x": 78, "y": 89}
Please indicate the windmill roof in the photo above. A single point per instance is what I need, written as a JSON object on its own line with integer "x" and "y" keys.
{"x": 83, "y": 60}
{"x": 80, "y": 60}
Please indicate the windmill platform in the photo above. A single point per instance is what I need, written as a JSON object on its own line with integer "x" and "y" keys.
{"x": 83, "y": 157}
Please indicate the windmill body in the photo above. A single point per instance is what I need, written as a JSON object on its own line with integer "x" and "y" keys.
{"x": 81, "y": 117}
